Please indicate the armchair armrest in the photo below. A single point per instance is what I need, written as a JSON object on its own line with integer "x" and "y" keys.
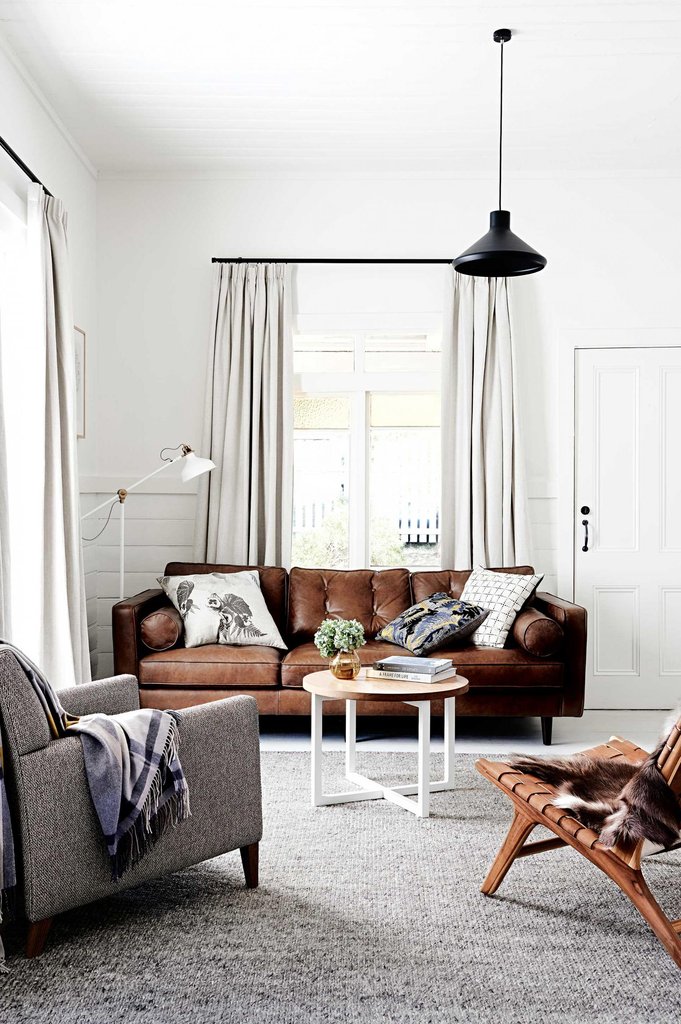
{"x": 104, "y": 696}
{"x": 572, "y": 618}
{"x": 220, "y": 753}
{"x": 126, "y": 617}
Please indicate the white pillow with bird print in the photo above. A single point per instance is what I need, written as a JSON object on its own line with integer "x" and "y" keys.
{"x": 222, "y": 608}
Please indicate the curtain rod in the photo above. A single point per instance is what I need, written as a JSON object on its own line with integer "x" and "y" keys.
{"x": 241, "y": 259}
{"x": 20, "y": 163}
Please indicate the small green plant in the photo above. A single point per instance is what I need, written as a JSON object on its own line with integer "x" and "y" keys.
{"x": 339, "y": 635}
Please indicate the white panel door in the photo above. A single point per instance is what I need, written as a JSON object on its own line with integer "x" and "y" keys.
{"x": 628, "y": 523}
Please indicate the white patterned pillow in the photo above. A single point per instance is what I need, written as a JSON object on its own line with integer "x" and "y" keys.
{"x": 222, "y": 608}
{"x": 503, "y": 594}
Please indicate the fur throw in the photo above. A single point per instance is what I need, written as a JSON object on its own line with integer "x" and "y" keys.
{"x": 624, "y": 802}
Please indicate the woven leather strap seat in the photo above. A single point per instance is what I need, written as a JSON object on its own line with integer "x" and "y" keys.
{"x": 540, "y": 795}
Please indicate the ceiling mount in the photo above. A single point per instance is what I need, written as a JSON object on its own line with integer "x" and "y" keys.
{"x": 502, "y": 35}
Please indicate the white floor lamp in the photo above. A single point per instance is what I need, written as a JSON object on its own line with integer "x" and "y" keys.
{"x": 193, "y": 466}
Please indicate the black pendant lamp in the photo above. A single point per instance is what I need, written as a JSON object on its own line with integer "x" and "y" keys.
{"x": 500, "y": 253}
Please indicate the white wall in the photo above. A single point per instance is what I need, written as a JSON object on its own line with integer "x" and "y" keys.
{"x": 611, "y": 264}
{"x": 32, "y": 130}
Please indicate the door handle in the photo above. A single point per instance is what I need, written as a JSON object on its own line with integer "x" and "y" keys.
{"x": 585, "y": 523}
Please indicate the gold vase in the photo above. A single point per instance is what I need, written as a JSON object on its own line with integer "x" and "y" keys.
{"x": 345, "y": 665}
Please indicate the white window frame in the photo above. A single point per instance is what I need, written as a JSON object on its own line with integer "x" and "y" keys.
{"x": 359, "y": 385}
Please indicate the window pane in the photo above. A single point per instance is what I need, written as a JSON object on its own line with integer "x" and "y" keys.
{"x": 404, "y": 481}
{"x": 405, "y": 410}
{"x": 407, "y": 352}
{"x": 321, "y": 449}
{"x": 320, "y": 353}
{"x": 312, "y": 412}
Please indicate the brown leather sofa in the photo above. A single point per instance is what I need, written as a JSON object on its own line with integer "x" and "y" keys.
{"x": 513, "y": 681}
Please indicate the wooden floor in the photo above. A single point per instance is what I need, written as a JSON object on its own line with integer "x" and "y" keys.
{"x": 480, "y": 736}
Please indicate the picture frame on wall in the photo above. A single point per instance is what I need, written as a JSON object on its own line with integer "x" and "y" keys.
{"x": 79, "y": 347}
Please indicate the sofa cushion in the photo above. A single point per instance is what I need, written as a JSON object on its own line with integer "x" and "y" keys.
{"x": 374, "y": 598}
{"x": 503, "y": 594}
{"x": 537, "y": 634}
{"x": 161, "y": 629}
{"x": 482, "y": 666}
{"x": 273, "y": 582}
{"x": 432, "y": 623}
{"x": 224, "y": 608}
{"x": 306, "y": 658}
{"x": 491, "y": 667}
{"x": 212, "y": 665}
{"x": 452, "y": 581}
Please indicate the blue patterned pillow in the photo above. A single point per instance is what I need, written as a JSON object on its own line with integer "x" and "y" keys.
{"x": 430, "y": 624}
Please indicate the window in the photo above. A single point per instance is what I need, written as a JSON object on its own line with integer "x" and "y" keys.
{"x": 367, "y": 450}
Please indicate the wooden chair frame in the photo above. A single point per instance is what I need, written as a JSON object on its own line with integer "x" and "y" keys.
{"x": 532, "y": 806}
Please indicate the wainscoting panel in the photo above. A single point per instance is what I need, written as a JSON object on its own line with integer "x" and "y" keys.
{"x": 159, "y": 528}
{"x": 543, "y": 514}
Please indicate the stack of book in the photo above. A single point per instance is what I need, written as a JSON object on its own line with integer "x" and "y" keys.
{"x": 413, "y": 670}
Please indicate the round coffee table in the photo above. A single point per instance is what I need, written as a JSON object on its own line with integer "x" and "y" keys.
{"x": 324, "y": 686}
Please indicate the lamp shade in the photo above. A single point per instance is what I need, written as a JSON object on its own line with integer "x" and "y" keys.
{"x": 499, "y": 253}
{"x": 193, "y": 465}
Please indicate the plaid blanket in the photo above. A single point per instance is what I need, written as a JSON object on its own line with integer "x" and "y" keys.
{"x": 133, "y": 770}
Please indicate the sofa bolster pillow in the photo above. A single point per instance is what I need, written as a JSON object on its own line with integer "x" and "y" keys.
{"x": 162, "y": 629}
{"x": 537, "y": 634}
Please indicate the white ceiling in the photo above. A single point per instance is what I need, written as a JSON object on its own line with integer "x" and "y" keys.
{"x": 359, "y": 86}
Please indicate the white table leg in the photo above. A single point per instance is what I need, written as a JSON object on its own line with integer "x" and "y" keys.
{"x": 316, "y": 749}
{"x": 350, "y": 735}
{"x": 369, "y": 789}
{"x": 450, "y": 738}
{"x": 423, "y": 798}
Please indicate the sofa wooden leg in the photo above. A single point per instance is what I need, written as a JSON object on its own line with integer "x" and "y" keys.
{"x": 37, "y": 934}
{"x": 513, "y": 843}
{"x": 546, "y": 730}
{"x": 249, "y": 859}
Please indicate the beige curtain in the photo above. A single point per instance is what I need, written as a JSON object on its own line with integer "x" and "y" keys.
{"x": 5, "y": 597}
{"x": 245, "y": 505}
{"x": 64, "y": 642}
{"x": 484, "y": 509}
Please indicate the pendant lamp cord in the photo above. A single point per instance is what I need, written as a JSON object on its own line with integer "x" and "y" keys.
{"x": 501, "y": 114}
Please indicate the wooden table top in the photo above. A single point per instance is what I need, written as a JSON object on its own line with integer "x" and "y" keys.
{"x": 326, "y": 685}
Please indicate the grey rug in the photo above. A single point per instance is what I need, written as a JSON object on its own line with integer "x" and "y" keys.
{"x": 364, "y": 914}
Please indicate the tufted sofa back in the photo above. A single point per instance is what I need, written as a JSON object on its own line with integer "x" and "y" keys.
{"x": 372, "y": 597}
{"x": 452, "y": 581}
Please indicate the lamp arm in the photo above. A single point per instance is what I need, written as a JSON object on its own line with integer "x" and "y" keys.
{"x": 132, "y": 487}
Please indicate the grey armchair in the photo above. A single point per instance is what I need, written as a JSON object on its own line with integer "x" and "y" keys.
{"x": 61, "y": 858}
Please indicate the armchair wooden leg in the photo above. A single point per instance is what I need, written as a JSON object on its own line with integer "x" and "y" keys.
{"x": 249, "y": 859}
{"x": 517, "y": 834}
{"x": 37, "y": 934}
{"x": 636, "y": 888}
{"x": 546, "y": 731}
